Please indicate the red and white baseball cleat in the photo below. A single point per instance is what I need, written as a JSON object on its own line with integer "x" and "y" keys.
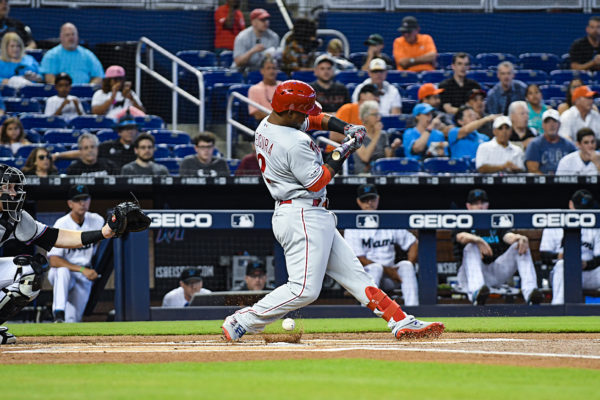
{"x": 232, "y": 329}
{"x": 412, "y": 328}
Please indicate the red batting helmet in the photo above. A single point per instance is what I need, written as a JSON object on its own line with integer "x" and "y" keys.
{"x": 295, "y": 96}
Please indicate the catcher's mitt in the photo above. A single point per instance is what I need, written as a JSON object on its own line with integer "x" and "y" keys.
{"x": 128, "y": 217}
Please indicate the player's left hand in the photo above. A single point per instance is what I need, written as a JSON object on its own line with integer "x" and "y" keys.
{"x": 523, "y": 245}
{"x": 356, "y": 132}
{"x": 128, "y": 217}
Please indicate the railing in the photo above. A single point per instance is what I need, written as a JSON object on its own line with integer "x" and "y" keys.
{"x": 171, "y": 84}
{"x": 324, "y": 32}
{"x": 233, "y": 123}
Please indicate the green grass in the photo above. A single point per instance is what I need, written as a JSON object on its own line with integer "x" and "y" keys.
{"x": 296, "y": 379}
{"x": 472, "y": 325}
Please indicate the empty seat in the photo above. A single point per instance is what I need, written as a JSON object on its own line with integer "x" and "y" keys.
{"x": 402, "y": 77}
{"x": 38, "y": 90}
{"x": 92, "y": 122}
{"x": 564, "y": 76}
{"x": 233, "y": 164}
{"x": 62, "y": 165}
{"x": 10, "y": 161}
{"x": 172, "y": 164}
{"x": 357, "y": 58}
{"x": 487, "y": 60}
{"x": 24, "y": 151}
{"x": 105, "y": 135}
{"x": 408, "y": 105}
{"x": 530, "y": 76}
{"x": 395, "y": 166}
{"x": 212, "y": 78}
{"x": 5, "y": 151}
{"x": 166, "y": 136}
{"x": 543, "y": 61}
{"x": 18, "y": 105}
{"x": 395, "y": 121}
{"x": 7, "y": 91}
{"x": 550, "y": 91}
{"x": 162, "y": 151}
{"x": 254, "y": 77}
{"x": 347, "y": 77}
{"x": 435, "y": 76}
{"x": 183, "y": 150}
{"x": 225, "y": 58}
{"x": 565, "y": 61}
{"x": 30, "y": 121}
{"x": 444, "y": 60}
{"x": 37, "y": 54}
{"x": 412, "y": 92}
{"x": 440, "y": 165}
{"x": 33, "y": 136}
{"x": 198, "y": 58}
{"x": 304, "y": 76}
{"x": 63, "y": 136}
{"x": 83, "y": 90}
{"x": 150, "y": 122}
{"x": 484, "y": 77}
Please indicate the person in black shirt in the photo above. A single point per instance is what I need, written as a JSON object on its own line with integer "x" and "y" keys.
{"x": 120, "y": 151}
{"x": 458, "y": 88}
{"x": 489, "y": 258}
{"x": 374, "y": 45}
{"x": 89, "y": 163}
{"x": 330, "y": 94}
{"x": 584, "y": 52}
{"x": 14, "y": 25}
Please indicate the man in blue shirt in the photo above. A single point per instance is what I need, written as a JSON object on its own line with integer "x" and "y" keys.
{"x": 505, "y": 91}
{"x": 425, "y": 140}
{"x": 544, "y": 152}
{"x": 465, "y": 139}
{"x": 80, "y": 63}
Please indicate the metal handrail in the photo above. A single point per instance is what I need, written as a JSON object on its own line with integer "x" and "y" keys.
{"x": 334, "y": 144}
{"x": 173, "y": 84}
{"x": 231, "y": 122}
{"x": 330, "y": 32}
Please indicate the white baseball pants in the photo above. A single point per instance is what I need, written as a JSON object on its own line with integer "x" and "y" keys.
{"x": 71, "y": 291}
{"x": 313, "y": 247}
{"x": 408, "y": 276}
{"x": 589, "y": 280}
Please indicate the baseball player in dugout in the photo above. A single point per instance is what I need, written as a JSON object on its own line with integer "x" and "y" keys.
{"x": 376, "y": 251}
{"x": 296, "y": 175}
{"x": 490, "y": 258}
{"x": 21, "y": 277}
{"x": 72, "y": 274}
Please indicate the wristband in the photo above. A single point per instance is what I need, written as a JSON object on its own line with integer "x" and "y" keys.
{"x": 81, "y": 269}
{"x": 336, "y": 125}
{"x": 89, "y": 237}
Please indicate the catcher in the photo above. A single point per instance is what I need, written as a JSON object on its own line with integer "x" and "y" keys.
{"x": 21, "y": 277}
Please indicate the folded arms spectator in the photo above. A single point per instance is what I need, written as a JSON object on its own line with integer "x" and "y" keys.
{"x": 414, "y": 51}
{"x": 499, "y": 154}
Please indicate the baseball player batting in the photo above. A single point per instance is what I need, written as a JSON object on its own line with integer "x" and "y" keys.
{"x": 293, "y": 170}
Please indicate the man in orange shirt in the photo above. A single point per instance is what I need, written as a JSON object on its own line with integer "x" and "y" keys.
{"x": 229, "y": 21}
{"x": 349, "y": 111}
{"x": 414, "y": 51}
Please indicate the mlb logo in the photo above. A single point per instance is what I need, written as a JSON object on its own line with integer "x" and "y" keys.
{"x": 502, "y": 221}
{"x": 367, "y": 221}
{"x": 242, "y": 220}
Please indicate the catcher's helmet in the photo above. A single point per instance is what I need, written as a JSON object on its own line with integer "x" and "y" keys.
{"x": 13, "y": 205}
{"x": 296, "y": 96}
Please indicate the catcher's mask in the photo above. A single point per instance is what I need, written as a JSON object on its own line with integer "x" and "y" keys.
{"x": 12, "y": 180}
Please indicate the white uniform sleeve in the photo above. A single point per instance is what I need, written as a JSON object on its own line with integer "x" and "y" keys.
{"x": 596, "y": 242}
{"x": 305, "y": 164}
{"x": 551, "y": 240}
{"x": 352, "y": 236}
{"x": 404, "y": 238}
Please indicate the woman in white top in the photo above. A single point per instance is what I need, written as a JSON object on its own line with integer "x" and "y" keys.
{"x": 115, "y": 97}
{"x": 12, "y": 134}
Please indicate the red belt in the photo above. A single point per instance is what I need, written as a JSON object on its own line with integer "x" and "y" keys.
{"x": 315, "y": 203}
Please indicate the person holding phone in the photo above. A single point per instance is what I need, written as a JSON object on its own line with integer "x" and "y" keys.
{"x": 116, "y": 97}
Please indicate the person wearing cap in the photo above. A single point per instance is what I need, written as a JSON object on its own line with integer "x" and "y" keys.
{"x": 414, "y": 51}
{"x": 115, "y": 98}
{"x": 375, "y": 45}
{"x": 425, "y": 139}
{"x": 507, "y": 90}
{"x": 490, "y": 257}
{"x": 499, "y": 154}
{"x": 552, "y": 252}
{"x": 390, "y": 102}
{"x": 521, "y": 134}
{"x": 229, "y": 22}
{"x": 376, "y": 251}
{"x": 349, "y": 111}
{"x": 251, "y": 44}
{"x": 120, "y": 151}
{"x": 71, "y": 274}
{"x": 584, "y": 52}
{"x": 545, "y": 151}
{"x": 581, "y": 114}
{"x": 190, "y": 283}
{"x": 458, "y": 88}
{"x": 430, "y": 94}
{"x": 144, "y": 147}
{"x": 255, "y": 279}
{"x": 465, "y": 138}
{"x": 204, "y": 163}
{"x": 262, "y": 92}
{"x": 89, "y": 163}
{"x": 586, "y": 161}
{"x": 80, "y": 63}
{"x": 63, "y": 103}
{"x": 330, "y": 93}
{"x": 477, "y": 103}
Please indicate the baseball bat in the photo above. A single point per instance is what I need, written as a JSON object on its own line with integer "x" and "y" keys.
{"x": 336, "y": 155}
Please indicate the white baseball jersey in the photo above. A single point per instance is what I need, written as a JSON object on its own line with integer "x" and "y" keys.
{"x": 176, "y": 297}
{"x": 572, "y": 164}
{"x": 288, "y": 173}
{"x": 83, "y": 255}
{"x": 552, "y": 239}
{"x": 378, "y": 244}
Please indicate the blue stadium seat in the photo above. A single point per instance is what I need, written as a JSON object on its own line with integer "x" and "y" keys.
{"x": 63, "y": 136}
{"x": 347, "y": 77}
{"x": 441, "y": 165}
{"x": 565, "y": 61}
{"x": 162, "y": 151}
{"x": 254, "y": 77}
{"x": 357, "y": 58}
{"x": 18, "y": 105}
{"x": 172, "y": 164}
{"x": 435, "y": 76}
{"x": 198, "y": 58}
{"x": 106, "y": 135}
{"x": 240, "y": 110}
{"x": 214, "y": 77}
{"x": 543, "y": 61}
{"x": 530, "y": 76}
{"x": 550, "y": 91}
{"x": 31, "y": 121}
{"x": 7, "y": 91}
{"x": 408, "y": 105}
{"x": 33, "y": 136}
{"x": 37, "y": 90}
{"x": 92, "y": 122}
{"x": 217, "y": 83}
{"x": 403, "y": 77}
{"x": 395, "y": 121}
{"x": 484, "y": 77}
{"x": 170, "y": 137}
{"x": 564, "y": 76}
{"x": 54, "y": 147}
{"x": 5, "y": 151}
{"x": 444, "y": 60}
{"x": 396, "y": 166}
{"x": 150, "y": 122}
{"x": 233, "y": 164}
{"x": 182, "y": 150}
{"x": 62, "y": 165}
{"x": 412, "y": 92}
{"x": 226, "y": 58}
{"x": 85, "y": 90}
{"x": 304, "y": 76}
{"x": 10, "y": 161}
{"x": 37, "y": 54}
{"x": 23, "y": 151}
{"x": 487, "y": 60}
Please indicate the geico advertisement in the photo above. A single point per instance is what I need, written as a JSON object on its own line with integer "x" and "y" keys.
{"x": 180, "y": 220}
{"x": 449, "y": 221}
{"x": 563, "y": 220}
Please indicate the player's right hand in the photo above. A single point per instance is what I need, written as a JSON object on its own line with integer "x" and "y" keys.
{"x": 356, "y": 132}
{"x": 90, "y": 273}
{"x": 485, "y": 248}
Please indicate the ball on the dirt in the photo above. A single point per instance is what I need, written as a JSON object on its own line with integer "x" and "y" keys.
{"x": 288, "y": 324}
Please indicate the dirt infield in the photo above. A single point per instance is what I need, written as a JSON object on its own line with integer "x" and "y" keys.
{"x": 539, "y": 350}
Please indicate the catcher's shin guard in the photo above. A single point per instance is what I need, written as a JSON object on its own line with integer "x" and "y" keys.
{"x": 378, "y": 300}
{"x": 16, "y": 296}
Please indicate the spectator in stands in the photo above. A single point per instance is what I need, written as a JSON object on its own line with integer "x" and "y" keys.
{"x": 414, "y": 51}
{"x": 229, "y": 22}
{"x": 330, "y": 93}
{"x": 301, "y": 47}
{"x": 14, "y": 25}
{"x": 77, "y": 61}
{"x": 116, "y": 97}
{"x": 349, "y": 112}
{"x": 249, "y": 165}
{"x": 203, "y": 163}
{"x": 120, "y": 151}
{"x": 12, "y": 134}
{"x": 574, "y": 84}
{"x": 255, "y": 279}
{"x": 499, "y": 154}
{"x": 464, "y": 139}
{"x": 89, "y": 164}
{"x": 584, "y": 52}
{"x": 17, "y": 69}
{"x": 580, "y": 115}
{"x": 429, "y": 94}
{"x": 521, "y": 134}
{"x": 425, "y": 139}
{"x": 375, "y": 45}
{"x": 490, "y": 258}
{"x": 586, "y": 161}
{"x": 545, "y": 151}
{"x": 190, "y": 284}
{"x": 390, "y": 102}
{"x": 39, "y": 163}
{"x": 477, "y": 102}
{"x": 263, "y": 91}
{"x": 376, "y": 251}
{"x": 536, "y": 107}
{"x": 458, "y": 88}
{"x": 376, "y": 143}
{"x": 254, "y": 42}
{"x": 505, "y": 91}
{"x": 63, "y": 103}
{"x": 144, "y": 146}
{"x": 335, "y": 50}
